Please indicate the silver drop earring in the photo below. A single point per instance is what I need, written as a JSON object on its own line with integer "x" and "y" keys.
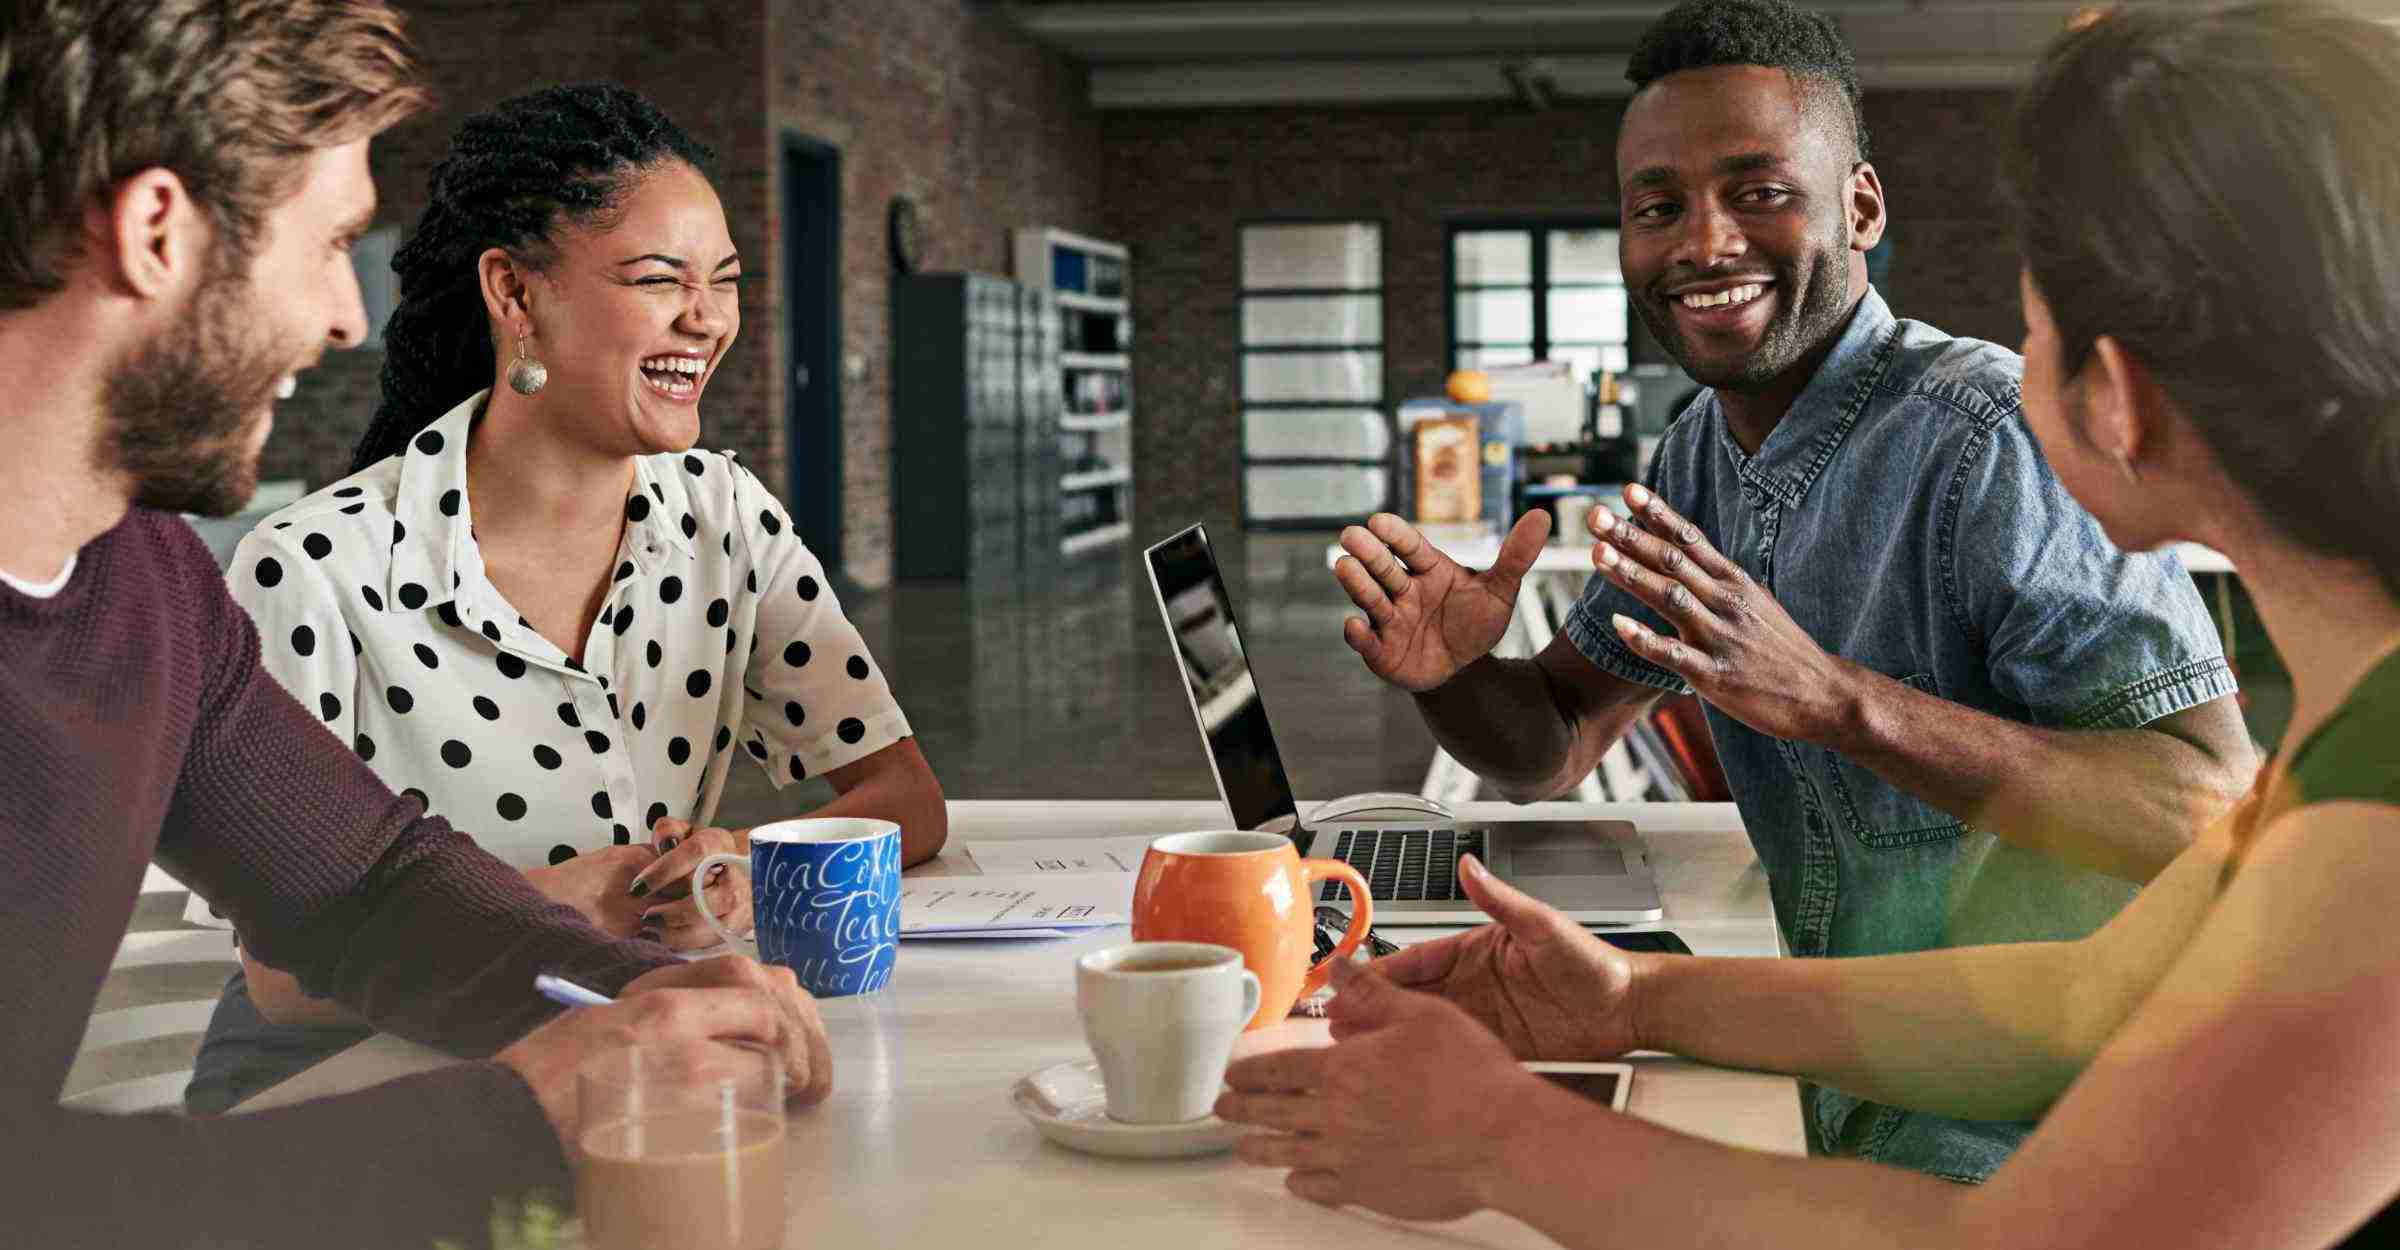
{"x": 527, "y": 376}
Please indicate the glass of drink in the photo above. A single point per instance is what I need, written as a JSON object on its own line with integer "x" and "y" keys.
{"x": 681, "y": 1148}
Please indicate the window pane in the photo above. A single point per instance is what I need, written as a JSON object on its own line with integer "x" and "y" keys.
{"x": 1587, "y": 314}
{"x": 1478, "y": 357}
{"x": 1339, "y": 255}
{"x": 1584, "y": 256}
{"x": 1480, "y": 256}
{"x": 1495, "y": 316}
{"x": 1306, "y": 492}
{"x": 1322, "y": 433}
{"x": 1284, "y": 319}
{"x": 1284, "y": 376}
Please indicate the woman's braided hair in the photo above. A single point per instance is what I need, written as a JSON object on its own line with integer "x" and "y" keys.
{"x": 513, "y": 176}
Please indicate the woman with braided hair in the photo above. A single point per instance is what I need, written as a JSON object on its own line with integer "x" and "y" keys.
{"x": 533, "y": 607}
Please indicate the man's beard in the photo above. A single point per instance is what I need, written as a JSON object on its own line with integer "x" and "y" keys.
{"x": 178, "y": 412}
{"x": 1810, "y": 308}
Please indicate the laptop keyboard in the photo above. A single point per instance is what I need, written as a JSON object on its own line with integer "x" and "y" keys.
{"x": 1404, "y": 865}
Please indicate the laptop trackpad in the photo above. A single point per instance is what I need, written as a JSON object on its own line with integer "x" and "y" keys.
{"x": 1565, "y": 861}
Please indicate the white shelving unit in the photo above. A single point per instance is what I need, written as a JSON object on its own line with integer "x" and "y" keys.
{"x": 1091, "y": 282}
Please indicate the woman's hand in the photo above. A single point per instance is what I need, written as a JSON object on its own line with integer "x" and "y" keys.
{"x": 595, "y": 882}
{"x": 1549, "y": 989}
{"x": 1402, "y": 1117}
{"x": 664, "y": 888}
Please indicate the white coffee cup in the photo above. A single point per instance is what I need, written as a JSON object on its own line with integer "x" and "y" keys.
{"x": 1161, "y": 1018}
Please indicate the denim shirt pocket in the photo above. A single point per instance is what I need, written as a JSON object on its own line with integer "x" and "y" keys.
{"x": 1882, "y": 816}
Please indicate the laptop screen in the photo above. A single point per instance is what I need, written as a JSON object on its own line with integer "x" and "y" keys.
{"x": 1216, "y": 676}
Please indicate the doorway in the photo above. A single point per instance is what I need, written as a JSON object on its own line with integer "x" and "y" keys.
{"x": 812, "y": 343}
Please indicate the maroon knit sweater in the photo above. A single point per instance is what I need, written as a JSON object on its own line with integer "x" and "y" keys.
{"x": 136, "y": 723}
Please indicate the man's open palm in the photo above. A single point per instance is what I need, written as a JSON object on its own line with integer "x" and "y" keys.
{"x": 1428, "y": 616}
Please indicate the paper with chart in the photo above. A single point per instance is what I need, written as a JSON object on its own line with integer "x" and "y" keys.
{"x": 1003, "y": 906}
{"x": 1061, "y": 856}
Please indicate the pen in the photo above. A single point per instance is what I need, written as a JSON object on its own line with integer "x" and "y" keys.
{"x": 561, "y": 990}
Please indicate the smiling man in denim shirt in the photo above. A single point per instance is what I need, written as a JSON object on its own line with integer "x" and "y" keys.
{"x": 1950, "y": 711}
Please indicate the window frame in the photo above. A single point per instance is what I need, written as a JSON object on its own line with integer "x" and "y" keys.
{"x": 1242, "y": 352}
{"x": 1537, "y": 283}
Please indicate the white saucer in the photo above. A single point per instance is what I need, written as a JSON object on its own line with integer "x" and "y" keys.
{"x": 1067, "y": 1104}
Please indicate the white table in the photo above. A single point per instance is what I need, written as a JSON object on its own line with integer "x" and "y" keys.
{"x": 918, "y": 1145}
{"x": 1550, "y": 590}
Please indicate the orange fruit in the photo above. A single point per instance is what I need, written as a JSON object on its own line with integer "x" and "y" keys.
{"x": 1470, "y": 386}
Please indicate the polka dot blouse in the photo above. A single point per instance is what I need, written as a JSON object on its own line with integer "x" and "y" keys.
{"x": 719, "y": 638}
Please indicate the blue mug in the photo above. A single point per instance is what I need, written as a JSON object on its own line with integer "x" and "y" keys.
{"x": 825, "y": 900}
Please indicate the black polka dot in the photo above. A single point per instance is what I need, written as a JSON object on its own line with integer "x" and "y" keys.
{"x": 486, "y": 709}
{"x": 659, "y": 492}
{"x": 623, "y": 835}
{"x": 694, "y": 466}
{"x": 799, "y": 770}
{"x": 354, "y": 509}
{"x": 412, "y": 596}
{"x": 317, "y": 546}
{"x": 636, "y": 508}
{"x": 268, "y": 572}
{"x": 374, "y": 600}
{"x": 329, "y": 704}
{"x": 733, "y": 638}
{"x": 657, "y": 813}
{"x": 679, "y": 751}
{"x": 491, "y": 631}
{"x": 547, "y": 758}
{"x": 512, "y": 807}
{"x": 430, "y": 442}
{"x": 365, "y": 746}
{"x": 858, "y": 667}
{"x": 419, "y": 796}
{"x": 697, "y": 683}
{"x": 624, "y": 620}
{"x": 654, "y": 653}
{"x": 752, "y": 691}
{"x": 757, "y": 749}
{"x": 670, "y": 589}
{"x": 426, "y": 657}
{"x": 601, "y": 807}
{"x": 719, "y": 612}
{"x": 796, "y": 654}
{"x": 510, "y": 666}
{"x": 728, "y": 543}
{"x": 596, "y": 740}
{"x": 400, "y": 699}
{"x": 750, "y": 580}
{"x": 399, "y": 532}
{"x": 356, "y": 648}
{"x": 767, "y": 521}
{"x": 795, "y": 713}
{"x": 304, "y": 640}
{"x": 575, "y": 664}
{"x": 691, "y": 528}
{"x": 350, "y": 492}
{"x": 566, "y": 712}
{"x": 448, "y": 612}
{"x": 456, "y": 754}
{"x": 450, "y": 502}
{"x": 724, "y": 737}
{"x": 560, "y": 854}
{"x": 850, "y": 730}
{"x": 624, "y": 570}
{"x": 640, "y": 714}
{"x": 808, "y": 588}
{"x": 613, "y": 713}
{"x": 607, "y": 615}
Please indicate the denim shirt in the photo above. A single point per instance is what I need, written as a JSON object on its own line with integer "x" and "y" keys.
{"x": 1904, "y": 516}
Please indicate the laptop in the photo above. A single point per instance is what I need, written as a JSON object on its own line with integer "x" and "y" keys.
{"x": 1593, "y": 871}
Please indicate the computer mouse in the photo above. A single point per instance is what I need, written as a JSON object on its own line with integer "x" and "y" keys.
{"x": 1379, "y": 805}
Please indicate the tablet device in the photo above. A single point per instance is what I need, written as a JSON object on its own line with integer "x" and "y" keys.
{"x": 1608, "y": 1084}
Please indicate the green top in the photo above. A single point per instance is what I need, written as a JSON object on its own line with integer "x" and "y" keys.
{"x": 2355, "y": 754}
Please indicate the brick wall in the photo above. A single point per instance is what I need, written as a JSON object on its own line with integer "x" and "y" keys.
{"x": 946, "y": 103}
{"x": 937, "y": 99}
{"x": 1179, "y": 184}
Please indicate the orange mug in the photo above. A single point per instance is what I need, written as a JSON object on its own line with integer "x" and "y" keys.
{"x": 1252, "y": 892}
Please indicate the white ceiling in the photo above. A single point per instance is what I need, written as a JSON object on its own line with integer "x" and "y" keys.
{"x": 1191, "y": 53}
